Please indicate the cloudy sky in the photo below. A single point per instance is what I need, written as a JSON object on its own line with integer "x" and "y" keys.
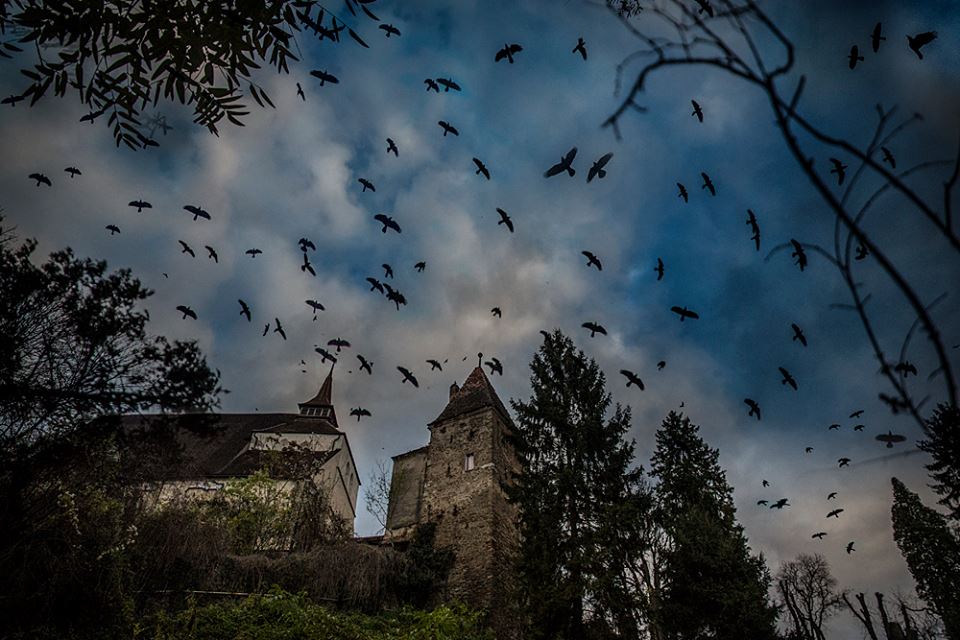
{"x": 293, "y": 171}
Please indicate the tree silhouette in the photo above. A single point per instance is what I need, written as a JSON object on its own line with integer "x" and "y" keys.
{"x": 943, "y": 445}
{"x": 808, "y": 592}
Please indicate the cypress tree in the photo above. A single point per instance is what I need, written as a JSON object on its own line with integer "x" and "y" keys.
{"x": 943, "y": 445}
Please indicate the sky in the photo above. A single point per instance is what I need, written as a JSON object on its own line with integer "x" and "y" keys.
{"x": 293, "y": 171}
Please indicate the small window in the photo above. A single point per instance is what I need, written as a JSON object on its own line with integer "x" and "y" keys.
{"x": 468, "y": 462}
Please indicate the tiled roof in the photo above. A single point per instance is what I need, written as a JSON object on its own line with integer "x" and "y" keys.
{"x": 476, "y": 393}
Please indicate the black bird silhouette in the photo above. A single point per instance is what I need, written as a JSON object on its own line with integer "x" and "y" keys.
{"x": 856, "y": 414}
{"x": 565, "y": 164}
{"x": 597, "y": 170}
{"x": 832, "y": 495}
{"x": 507, "y": 52}
{"x": 73, "y": 171}
{"x": 212, "y": 253}
{"x": 683, "y": 192}
{"x": 306, "y": 243}
{"x": 787, "y": 378}
{"x": 365, "y": 365}
{"x": 141, "y": 205}
{"x": 840, "y": 169}
{"x": 495, "y": 366}
{"x": 112, "y": 228}
{"x": 754, "y": 407}
{"x": 197, "y": 212}
{"x": 186, "y": 249}
{"x": 448, "y": 84}
{"x": 858, "y": 427}
{"x": 697, "y": 111}
{"x": 876, "y": 38}
{"x": 834, "y": 427}
{"x": 594, "y": 328}
{"x": 300, "y": 92}
{"x": 434, "y": 365}
{"x": 420, "y": 266}
{"x": 187, "y": 312}
{"x": 407, "y": 376}
{"x": 799, "y": 254}
{"x": 395, "y": 296}
{"x": 708, "y": 184}
{"x": 505, "y": 219}
{"x": 819, "y": 535}
{"x": 921, "y": 40}
{"x": 755, "y": 227}
{"x": 850, "y": 547}
{"x": 780, "y": 504}
{"x": 266, "y": 329}
{"x": 359, "y": 412}
{"x": 888, "y": 157}
{"x": 705, "y": 7}
{"x": 245, "y": 310}
{"x": 661, "y": 365}
{"x": 496, "y": 311}
{"x": 890, "y": 438}
{"x": 659, "y": 269}
{"x": 307, "y": 267}
{"x": 762, "y": 502}
{"x": 843, "y": 462}
{"x": 765, "y": 483}
{"x": 387, "y": 222}
{"x": 392, "y": 146}
{"x": 862, "y": 252}
{"x": 316, "y": 306}
{"x": 835, "y": 513}
{"x": 592, "y": 260}
{"x": 685, "y": 313}
{"x": 854, "y": 56}
{"x": 339, "y": 343}
{"x": 905, "y": 368}
{"x": 375, "y": 284}
{"x": 324, "y": 354}
{"x": 325, "y": 77}
{"x": 253, "y": 253}
{"x": 432, "y": 84}
{"x": 41, "y": 179}
{"x": 366, "y": 185}
{"x": 632, "y": 379}
{"x": 387, "y": 270}
{"x": 389, "y": 30}
{"x": 581, "y": 48}
{"x": 798, "y": 334}
{"x": 279, "y": 329}
{"x": 481, "y": 168}
{"x": 448, "y": 128}
{"x": 809, "y": 450}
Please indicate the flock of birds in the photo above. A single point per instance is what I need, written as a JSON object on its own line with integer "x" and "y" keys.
{"x": 385, "y": 284}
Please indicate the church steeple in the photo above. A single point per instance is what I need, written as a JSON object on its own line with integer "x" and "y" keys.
{"x": 321, "y": 405}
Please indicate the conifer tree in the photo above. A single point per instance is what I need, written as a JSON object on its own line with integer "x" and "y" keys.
{"x": 943, "y": 445}
{"x": 932, "y": 552}
{"x": 576, "y": 477}
{"x": 713, "y": 587}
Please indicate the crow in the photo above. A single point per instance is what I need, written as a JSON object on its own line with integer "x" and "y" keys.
{"x": 212, "y": 253}
{"x": 705, "y": 7}
{"x": 41, "y": 179}
{"x": 755, "y": 227}
{"x": 843, "y": 462}
{"x": 324, "y": 354}
{"x": 420, "y": 266}
{"x": 876, "y": 38}
{"x": 496, "y": 311}
{"x": 448, "y": 128}
{"x": 434, "y": 365}
{"x": 659, "y": 269}
{"x": 505, "y": 219}
{"x": 325, "y": 77}
{"x": 835, "y": 513}
{"x": 197, "y": 212}
{"x": 685, "y": 313}
{"x": 375, "y": 284}
{"x": 366, "y": 185}
{"x": 389, "y": 30}
{"x": 507, "y": 52}
{"x": 632, "y": 379}
{"x": 73, "y": 171}
{"x": 431, "y": 85}
{"x": 856, "y": 414}
{"x": 392, "y": 146}
{"x": 300, "y": 92}
{"x": 141, "y": 205}
{"x": 834, "y": 427}
{"x": 661, "y": 365}
{"x": 683, "y": 192}
{"x": 253, "y": 253}
{"x": 762, "y": 502}
{"x": 594, "y": 328}
{"x": 905, "y": 368}
{"x": 708, "y": 184}
{"x": 395, "y": 296}
{"x": 306, "y": 243}
{"x": 316, "y": 306}
{"x": 858, "y": 427}
{"x": 365, "y": 365}
{"x": 832, "y": 495}
{"x": 387, "y": 270}
{"x": 808, "y": 450}
{"x": 495, "y": 366}
{"x": 112, "y": 228}
{"x": 840, "y": 169}
{"x": 279, "y": 329}
{"x": 187, "y": 312}
{"x": 597, "y": 170}
{"x": 780, "y": 504}
{"x": 888, "y": 157}
{"x": 890, "y": 438}
{"x": 339, "y": 343}
{"x": 854, "y": 56}
{"x": 408, "y": 376}
{"x": 697, "y": 111}
{"x": 266, "y": 329}
{"x": 850, "y": 544}
{"x": 481, "y": 168}
{"x": 798, "y": 334}
{"x": 306, "y": 266}
{"x": 448, "y": 84}
{"x": 754, "y": 407}
{"x": 787, "y": 378}
{"x": 565, "y": 164}
{"x": 186, "y": 249}
{"x": 592, "y": 260}
{"x": 245, "y": 310}
{"x": 359, "y": 412}
{"x": 387, "y": 222}
{"x": 581, "y": 48}
{"x": 819, "y": 535}
{"x": 920, "y": 40}
{"x": 799, "y": 254}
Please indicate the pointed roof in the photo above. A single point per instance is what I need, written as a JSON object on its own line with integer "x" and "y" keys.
{"x": 476, "y": 393}
{"x": 324, "y": 395}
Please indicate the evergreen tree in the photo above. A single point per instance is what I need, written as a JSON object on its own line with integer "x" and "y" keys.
{"x": 932, "y": 552}
{"x": 943, "y": 445}
{"x": 575, "y": 481}
{"x": 713, "y": 587}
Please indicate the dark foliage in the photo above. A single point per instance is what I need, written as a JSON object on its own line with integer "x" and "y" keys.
{"x": 943, "y": 444}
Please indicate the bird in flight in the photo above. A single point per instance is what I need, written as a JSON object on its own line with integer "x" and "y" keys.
{"x": 832, "y": 495}
{"x": 835, "y": 513}
{"x": 306, "y": 266}
{"x": 375, "y": 284}
{"x": 708, "y": 184}
{"x": 359, "y": 412}
{"x": 41, "y": 179}
{"x": 858, "y": 427}
{"x": 389, "y": 30}
{"x": 387, "y": 270}
{"x": 392, "y": 148}
{"x": 632, "y": 379}
{"x": 905, "y": 368}
{"x": 316, "y": 306}
{"x": 395, "y": 296}
{"x": 197, "y": 212}
{"x": 799, "y": 254}
{"x": 765, "y": 483}
{"x": 306, "y": 243}
{"x": 780, "y": 504}
{"x": 253, "y": 253}
{"x": 407, "y": 376}
{"x": 697, "y": 111}
{"x": 581, "y": 48}
{"x": 73, "y": 171}
{"x": 661, "y": 365}
{"x": 920, "y": 40}
{"x": 245, "y": 310}
{"x": 594, "y": 328}
{"x": 854, "y": 56}
{"x": 565, "y": 164}
{"x": 597, "y": 170}
{"x": 762, "y": 502}
{"x": 324, "y": 354}
{"x": 838, "y": 168}
{"x": 705, "y": 7}
{"x": 834, "y": 427}
{"x": 808, "y": 450}
{"x": 325, "y": 77}
{"x": 448, "y": 128}
{"x": 496, "y": 312}
{"x": 420, "y": 266}
{"x": 186, "y": 249}
{"x": 113, "y": 229}
{"x": 890, "y": 438}
{"x": 432, "y": 85}
{"x": 505, "y": 219}
{"x": 212, "y": 253}
{"x": 141, "y": 205}
{"x": 850, "y": 548}
{"x": 786, "y": 378}
{"x": 387, "y": 222}
{"x": 888, "y": 157}
{"x": 659, "y": 269}
{"x": 300, "y": 93}
{"x": 683, "y": 192}
{"x": 279, "y": 329}
{"x": 755, "y": 227}
{"x": 843, "y": 462}
{"x": 448, "y": 84}
{"x": 508, "y": 51}
{"x": 685, "y": 313}
{"x": 366, "y": 185}
{"x": 856, "y": 414}
{"x": 339, "y": 343}
{"x": 187, "y": 312}
{"x": 592, "y": 260}
{"x": 481, "y": 168}
{"x": 754, "y": 407}
{"x": 798, "y": 334}
{"x": 820, "y": 535}
{"x": 495, "y": 366}
{"x": 434, "y": 365}
{"x": 365, "y": 365}
{"x": 876, "y": 38}
{"x": 266, "y": 329}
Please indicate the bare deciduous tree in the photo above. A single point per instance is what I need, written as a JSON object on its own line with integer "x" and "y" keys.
{"x": 809, "y": 593}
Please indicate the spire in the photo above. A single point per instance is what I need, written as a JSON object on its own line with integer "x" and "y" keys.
{"x": 321, "y": 405}
{"x": 476, "y": 393}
